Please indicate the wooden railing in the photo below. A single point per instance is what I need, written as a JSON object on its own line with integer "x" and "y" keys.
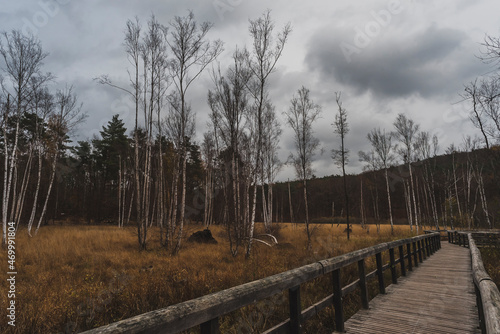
{"x": 487, "y": 293}
{"x": 206, "y": 310}
{"x": 481, "y": 238}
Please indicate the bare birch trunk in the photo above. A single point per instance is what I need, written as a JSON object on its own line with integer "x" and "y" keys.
{"x": 37, "y": 191}
{"x": 8, "y": 177}
{"x": 389, "y": 200}
{"x": 415, "y": 209}
{"x": 24, "y": 187}
{"x": 51, "y": 183}
{"x": 120, "y": 217}
{"x": 309, "y": 242}
{"x": 482, "y": 196}
{"x": 252, "y": 220}
{"x": 290, "y": 203}
{"x": 183, "y": 203}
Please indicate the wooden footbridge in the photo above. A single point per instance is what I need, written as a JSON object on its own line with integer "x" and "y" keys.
{"x": 437, "y": 287}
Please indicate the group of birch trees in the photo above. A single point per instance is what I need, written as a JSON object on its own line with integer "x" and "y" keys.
{"x": 244, "y": 133}
{"x": 435, "y": 193}
{"x": 35, "y": 123}
{"x": 165, "y": 60}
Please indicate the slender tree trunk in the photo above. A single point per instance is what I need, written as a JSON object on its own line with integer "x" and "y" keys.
{"x": 51, "y": 183}
{"x": 130, "y": 207}
{"x": 346, "y": 196}
{"x": 120, "y": 217}
{"x": 409, "y": 215}
{"x": 252, "y": 219}
{"x": 362, "y": 206}
{"x": 24, "y": 187}
{"x": 172, "y": 224}
{"x": 183, "y": 203}
{"x": 37, "y": 191}
{"x": 290, "y": 203}
{"x": 455, "y": 181}
{"x": 309, "y": 242}
{"x": 5, "y": 178}
{"x": 9, "y": 176}
{"x": 389, "y": 200}
{"x": 415, "y": 210}
{"x": 15, "y": 195}
{"x": 264, "y": 208}
{"x": 482, "y": 196}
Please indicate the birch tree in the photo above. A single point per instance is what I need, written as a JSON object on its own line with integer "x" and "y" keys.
{"x": 262, "y": 58}
{"x": 384, "y": 157}
{"x": 341, "y": 155}
{"x": 426, "y": 148}
{"x": 43, "y": 107}
{"x": 209, "y": 153}
{"x": 228, "y": 102}
{"x": 22, "y": 57}
{"x": 67, "y": 115}
{"x": 192, "y": 52}
{"x": 300, "y": 116}
{"x": 406, "y": 132}
{"x": 133, "y": 47}
{"x": 271, "y": 162}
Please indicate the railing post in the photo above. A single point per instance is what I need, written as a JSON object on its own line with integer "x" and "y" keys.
{"x": 393, "y": 266}
{"x": 402, "y": 260}
{"x": 449, "y": 237}
{"x": 415, "y": 253}
{"x": 422, "y": 248}
{"x": 295, "y": 310}
{"x": 420, "y": 251}
{"x": 362, "y": 283}
{"x": 408, "y": 251}
{"x": 480, "y": 310}
{"x": 380, "y": 273}
{"x": 427, "y": 247}
{"x": 210, "y": 327}
{"x": 337, "y": 301}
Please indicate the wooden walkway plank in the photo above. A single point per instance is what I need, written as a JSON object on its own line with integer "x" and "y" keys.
{"x": 437, "y": 297}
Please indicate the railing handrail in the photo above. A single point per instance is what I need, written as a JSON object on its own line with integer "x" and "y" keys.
{"x": 489, "y": 295}
{"x": 204, "y": 309}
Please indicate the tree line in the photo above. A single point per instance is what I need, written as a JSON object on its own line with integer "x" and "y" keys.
{"x": 156, "y": 175}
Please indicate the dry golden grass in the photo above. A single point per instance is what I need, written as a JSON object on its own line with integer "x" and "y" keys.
{"x": 79, "y": 277}
{"x": 491, "y": 259}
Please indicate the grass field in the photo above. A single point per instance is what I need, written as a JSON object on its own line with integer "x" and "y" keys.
{"x": 491, "y": 261}
{"x": 80, "y": 277}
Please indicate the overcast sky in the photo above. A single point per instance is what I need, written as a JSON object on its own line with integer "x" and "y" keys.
{"x": 387, "y": 57}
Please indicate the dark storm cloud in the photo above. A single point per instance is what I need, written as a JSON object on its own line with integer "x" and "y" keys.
{"x": 427, "y": 62}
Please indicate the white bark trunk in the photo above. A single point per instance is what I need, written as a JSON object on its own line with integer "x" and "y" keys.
{"x": 389, "y": 200}
{"x": 37, "y": 191}
{"x": 51, "y": 183}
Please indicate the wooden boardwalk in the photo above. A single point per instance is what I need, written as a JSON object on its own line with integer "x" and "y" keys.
{"x": 437, "y": 297}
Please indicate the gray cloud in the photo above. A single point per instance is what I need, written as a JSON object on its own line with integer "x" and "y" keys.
{"x": 428, "y": 62}
{"x": 416, "y": 64}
